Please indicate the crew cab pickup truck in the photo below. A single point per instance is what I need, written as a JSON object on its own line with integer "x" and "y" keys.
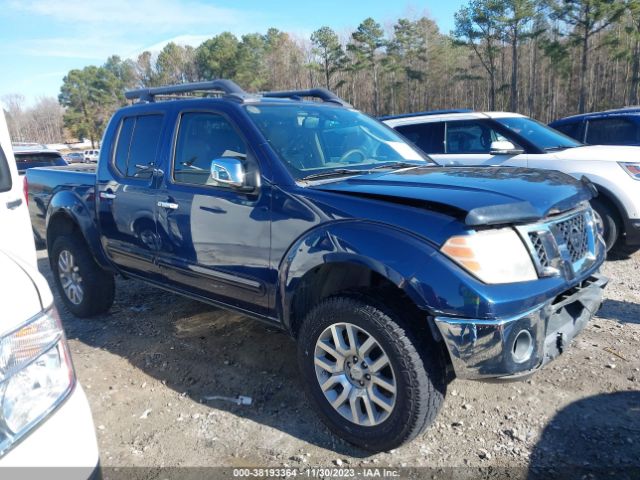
{"x": 392, "y": 274}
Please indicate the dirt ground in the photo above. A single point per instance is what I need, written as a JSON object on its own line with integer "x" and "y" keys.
{"x": 147, "y": 366}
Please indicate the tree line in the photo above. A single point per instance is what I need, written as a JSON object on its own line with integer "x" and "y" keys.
{"x": 544, "y": 59}
{"x": 40, "y": 123}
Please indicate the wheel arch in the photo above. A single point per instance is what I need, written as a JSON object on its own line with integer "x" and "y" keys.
{"x": 67, "y": 214}
{"x": 344, "y": 257}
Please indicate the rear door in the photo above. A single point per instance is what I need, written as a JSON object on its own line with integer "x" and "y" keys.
{"x": 16, "y": 235}
{"x": 127, "y": 196}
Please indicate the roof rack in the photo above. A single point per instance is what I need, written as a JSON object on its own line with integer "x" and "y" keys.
{"x": 227, "y": 87}
{"x": 428, "y": 112}
{"x": 633, "y": 108}
{"x": 321, "y": 93}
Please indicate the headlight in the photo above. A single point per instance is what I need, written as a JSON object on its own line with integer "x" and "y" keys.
{"x": 633, "y": 169}
{"x": 494, "y": 256}
{"x": 36, "y": 374}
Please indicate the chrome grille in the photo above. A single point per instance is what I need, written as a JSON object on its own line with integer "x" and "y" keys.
{"x": 538, "y": 247}
{"x": 565, "y": 245}
{"x": 574, "y": 234}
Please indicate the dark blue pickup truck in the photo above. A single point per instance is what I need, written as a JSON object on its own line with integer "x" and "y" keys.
{"x": 392, "y": 274}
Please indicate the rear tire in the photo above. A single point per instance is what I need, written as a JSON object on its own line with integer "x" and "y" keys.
{"x": 610, "y": 222}
{"x": 415, "y": 369}
{"x": 85, "y": 288}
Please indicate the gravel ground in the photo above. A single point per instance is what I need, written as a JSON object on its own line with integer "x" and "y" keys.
{"x": 147, "y": 366}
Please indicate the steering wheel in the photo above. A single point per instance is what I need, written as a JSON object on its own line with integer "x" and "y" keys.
{"x": 354, "y": 151}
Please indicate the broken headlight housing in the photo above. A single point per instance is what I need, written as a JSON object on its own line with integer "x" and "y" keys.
{"x": 36, "y": 375}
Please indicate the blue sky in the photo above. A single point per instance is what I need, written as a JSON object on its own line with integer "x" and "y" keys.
{"x": 41, "y": 40}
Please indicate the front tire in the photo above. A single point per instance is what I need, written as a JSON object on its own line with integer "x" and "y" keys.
{"x": 373, "y": 382}
{"x": 610, "y": 222}
{"x": 86, "y": 289}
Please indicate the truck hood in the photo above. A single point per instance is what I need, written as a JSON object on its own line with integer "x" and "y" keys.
{"x": 475, "y": 195}
{"x": 610, "y": 153}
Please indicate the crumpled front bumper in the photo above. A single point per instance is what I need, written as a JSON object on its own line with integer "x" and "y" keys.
{"x": 518, "y": 346}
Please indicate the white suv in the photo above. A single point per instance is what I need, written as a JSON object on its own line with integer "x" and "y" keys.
{"x": 464, "y": 137}
{"x": 45, "y": 419}
{"x": 91, "y": 156}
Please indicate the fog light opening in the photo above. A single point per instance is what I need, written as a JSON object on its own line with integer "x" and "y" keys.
{"x": 522, "y": 347}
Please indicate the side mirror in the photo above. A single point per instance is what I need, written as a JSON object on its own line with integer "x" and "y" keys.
{"x": 504, "y": 147}
{"x": 228, "y": 171}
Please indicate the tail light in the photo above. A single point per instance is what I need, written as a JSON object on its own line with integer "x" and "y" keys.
{"x": 25, "y": 189}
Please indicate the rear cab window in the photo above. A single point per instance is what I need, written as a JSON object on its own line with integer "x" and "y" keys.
{"x": 26, "y": 160}
{"x": 137, "y": 145}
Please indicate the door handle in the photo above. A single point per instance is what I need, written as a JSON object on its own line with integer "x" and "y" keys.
{"x": 14, "y": 203}
{"x": 107, "y": 195}
{"x": 169, "y": 205}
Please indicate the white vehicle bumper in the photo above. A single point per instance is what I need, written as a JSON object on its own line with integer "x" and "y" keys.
{"x": 66, "y": 439}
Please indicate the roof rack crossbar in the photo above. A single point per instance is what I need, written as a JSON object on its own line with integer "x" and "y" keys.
{"x": 321, "y": 93}
{"x": 227, "y": 87}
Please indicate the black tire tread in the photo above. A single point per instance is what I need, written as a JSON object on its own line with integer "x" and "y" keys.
{"x": 98, "y": 284}
{"x": 420, "y": 363}
{"x": 611, "y": 221}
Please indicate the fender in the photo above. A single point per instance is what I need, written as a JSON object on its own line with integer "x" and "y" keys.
{"x": 70, "y": 204}
{"x": 417, "y": 267}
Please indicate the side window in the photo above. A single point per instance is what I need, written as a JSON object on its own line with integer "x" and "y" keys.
{"x": 5, "y": 173}
{"x": 573, "y": 130}
{"x": 124, "y": 143}
{"x": 429, "y": 137}
{"x": 137, "y": 148}
{"x": 471, "y": 137}
{"x": 612, "y": 131}
{"x": 203, "y": 137}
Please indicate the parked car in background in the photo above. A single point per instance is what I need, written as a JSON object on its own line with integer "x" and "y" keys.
{"x": 463, "y": 137}
{"x": 620, "y": 126}
{"x": 393, "y": 274}
{"x": 75, "y": 157}
{"x": 44, "y": 414}
{"x": 39, "y": 157}
{"x": 91, "y": 156}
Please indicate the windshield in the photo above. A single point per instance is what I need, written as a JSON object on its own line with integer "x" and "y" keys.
{"x": 543, "y": 137}
{"x": 316, "y": 139}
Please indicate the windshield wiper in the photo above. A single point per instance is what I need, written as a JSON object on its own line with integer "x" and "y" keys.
{"x": 334, "y": 173}
{"x": 397, "y": 165}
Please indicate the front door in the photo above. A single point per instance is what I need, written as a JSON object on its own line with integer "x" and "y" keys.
{"x": 127, "y": 198}
{"x": 468, "y": 142}
{"x": 215, "y": 238}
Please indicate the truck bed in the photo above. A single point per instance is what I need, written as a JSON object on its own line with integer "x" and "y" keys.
{"x": 43, "y": 182}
